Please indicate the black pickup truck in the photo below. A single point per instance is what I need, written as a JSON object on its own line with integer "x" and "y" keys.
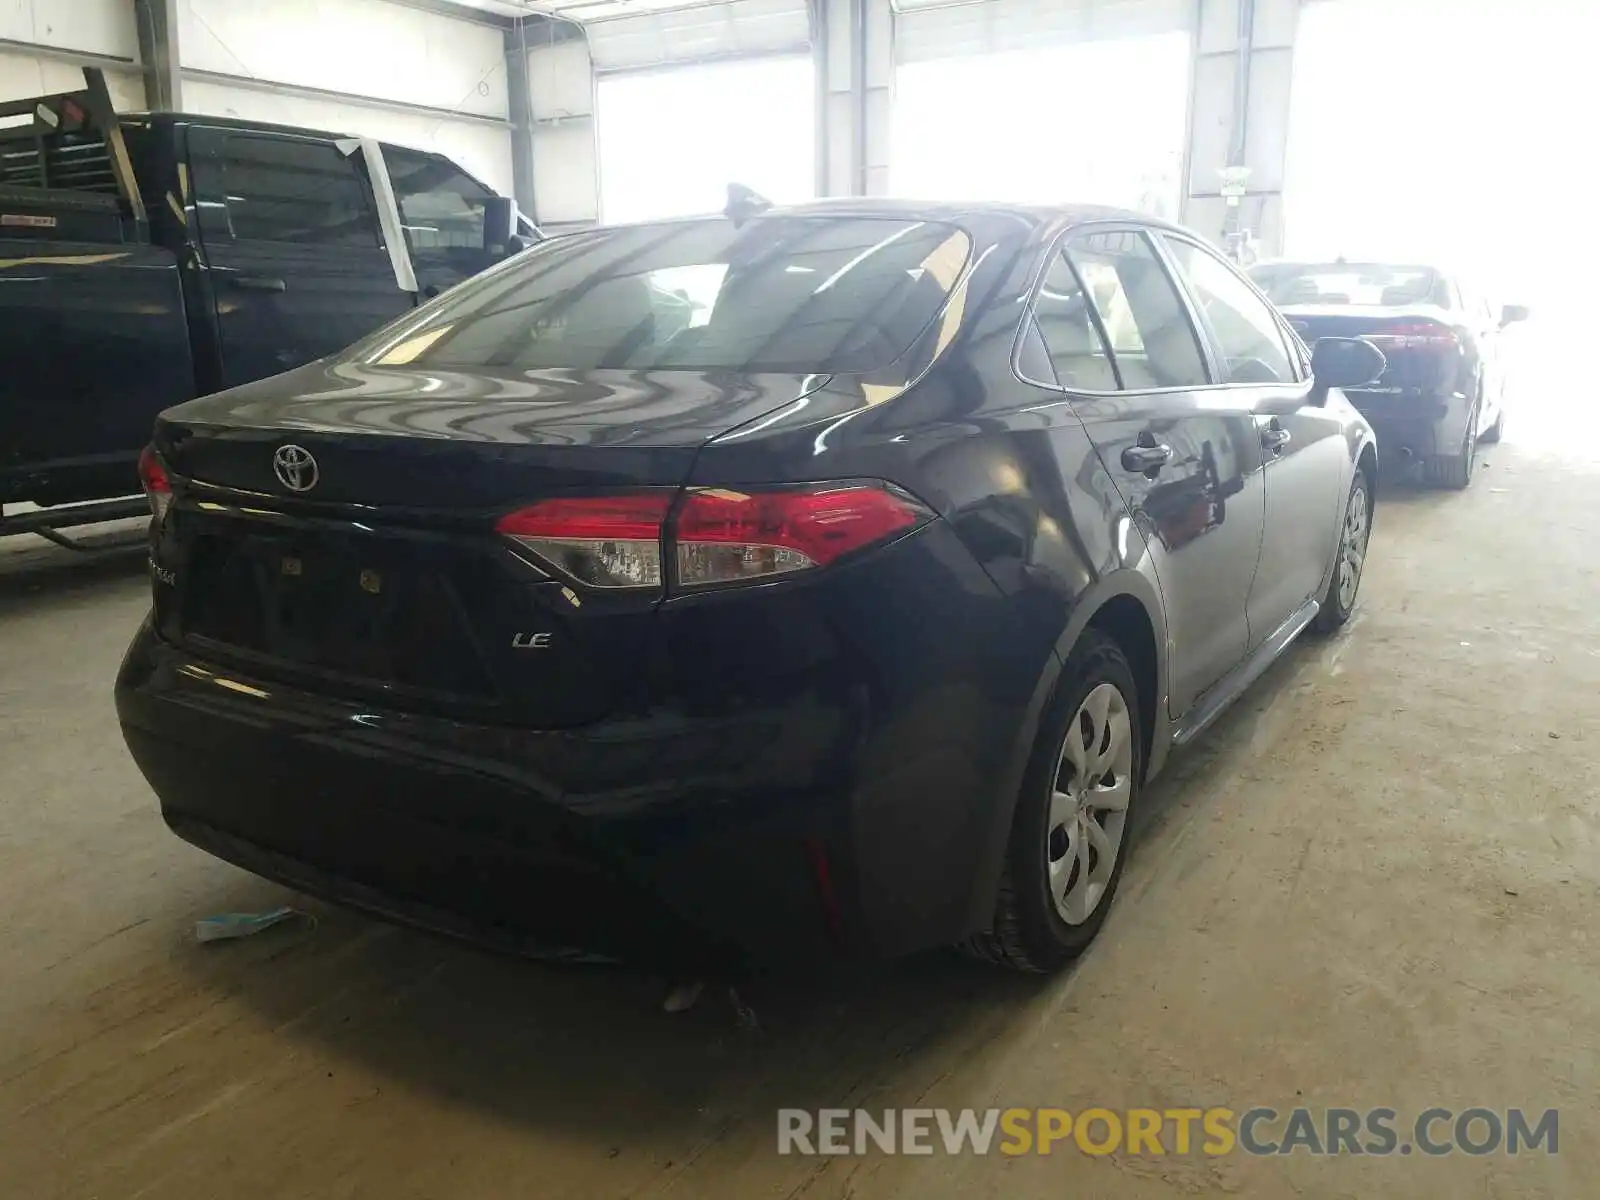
{"x": 149, "y": 258}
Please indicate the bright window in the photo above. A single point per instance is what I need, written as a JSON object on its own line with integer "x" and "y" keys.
{"x": 1099, "y": 122}
{"x": 671, "y": 141}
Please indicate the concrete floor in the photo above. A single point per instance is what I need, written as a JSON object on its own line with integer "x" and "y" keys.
{"x": 1371, "y": 886}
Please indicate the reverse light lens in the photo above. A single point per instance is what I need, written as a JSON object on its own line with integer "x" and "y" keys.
{"x": 603, "y": 541}
{"x": 157, "y": 484}
{"x": 726, "y": 536}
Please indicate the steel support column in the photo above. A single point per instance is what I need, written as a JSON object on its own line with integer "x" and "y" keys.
{"x": 1239, "y": 122}
{"x": 853, "y": 45}
{"x": 520, "y": 99}
{"x": 157, "y": 23}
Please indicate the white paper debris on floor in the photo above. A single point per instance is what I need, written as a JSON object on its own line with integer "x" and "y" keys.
{"x": 223, "y": 926}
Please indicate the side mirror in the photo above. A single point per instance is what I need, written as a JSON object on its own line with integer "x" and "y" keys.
{"x": 501, "y": 224}
{"x": 1512, "y": 313}
{"x": 1346, "y": 362}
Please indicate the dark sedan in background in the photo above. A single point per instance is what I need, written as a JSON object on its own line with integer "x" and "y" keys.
{"x": 1445, "y": 387}
{"x": 826, "y": 579}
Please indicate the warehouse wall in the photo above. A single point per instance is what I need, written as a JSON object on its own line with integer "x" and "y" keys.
{"x": 41, "y": 42}
{"x": 382, "y": 61}
{"x": 566, "y": 171}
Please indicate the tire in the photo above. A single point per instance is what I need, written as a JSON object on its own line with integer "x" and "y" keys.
{"x": 1492, "y": 434}
{"x": 1031, "y": 930}
{"x": 1350, "y": 556}
{"x": 1455, "y": 470}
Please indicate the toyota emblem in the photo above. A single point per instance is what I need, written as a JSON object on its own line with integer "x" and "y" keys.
{"x": 295, "y": 468}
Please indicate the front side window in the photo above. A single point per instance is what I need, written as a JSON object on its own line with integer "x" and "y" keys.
{"x": 1244, "y": 325}
{"x": 441, "y": 207}
{"x": 1062, "y": 311}
{"x": 279, "y": 189}
{"x": 783, "y": 294}
{"x": 1151, "y": 336}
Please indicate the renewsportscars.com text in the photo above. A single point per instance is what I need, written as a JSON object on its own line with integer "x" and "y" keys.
{"x": 1433, "y": 1132}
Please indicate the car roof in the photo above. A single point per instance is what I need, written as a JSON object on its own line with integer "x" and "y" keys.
{"x": 244, "y": 123}
{"x": 953, "y": 211}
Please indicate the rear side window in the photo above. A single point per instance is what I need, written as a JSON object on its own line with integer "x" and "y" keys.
{"x": 1244, "y": 325}
{"x": 282, "y": 189}
{"x": 794, "y": 295}
{"x": 441, "y": 207}
{"x": 1152, "y": 338}
{"x": 1062, "y": 311}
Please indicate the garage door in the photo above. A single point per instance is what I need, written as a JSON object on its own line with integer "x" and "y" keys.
{"x": 731, "y": 29}
{"x": 931, "y": 29}
{"x": 1399, "y": 151}
{"x": 1099, "y": 122}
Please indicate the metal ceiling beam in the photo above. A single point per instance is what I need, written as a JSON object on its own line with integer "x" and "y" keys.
{"x": 110, "y": 62}
{"x": 316, "y": 93}
{"x": 460, "y": 12}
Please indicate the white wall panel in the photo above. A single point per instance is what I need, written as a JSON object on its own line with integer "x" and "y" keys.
{"x": 88, "y": 26}
{"x": 484, "y": 150}
{"x": 941, "y": 29}
{"x": 707, "y": 31}
{"x": 566, "y": 173}
{"x": 360, "y": 47}
{"x": 24, "y": 75}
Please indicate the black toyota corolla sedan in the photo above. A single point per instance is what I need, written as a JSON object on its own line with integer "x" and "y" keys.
{"x": 829, "y": 580}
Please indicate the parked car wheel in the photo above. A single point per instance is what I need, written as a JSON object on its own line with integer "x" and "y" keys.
{"x": 1455, "y": 470}
{"x": 1069, "y": 837}
{"x": 1340, "y": 599}
{"x": 1492, "y": 434}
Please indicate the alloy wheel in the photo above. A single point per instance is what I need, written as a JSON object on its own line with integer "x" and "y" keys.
{"x": 1089, "y": 803}
{"x": 1353, "y": 548}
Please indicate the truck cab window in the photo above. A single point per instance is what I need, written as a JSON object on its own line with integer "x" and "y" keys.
{"x": 281, "y": 189}
{"x": 441, "y": 207}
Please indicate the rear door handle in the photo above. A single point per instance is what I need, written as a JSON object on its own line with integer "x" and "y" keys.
{"x": 260, "y": 283}
{"x": 1274, "y": 439}
{"x": 1142, "y": 457}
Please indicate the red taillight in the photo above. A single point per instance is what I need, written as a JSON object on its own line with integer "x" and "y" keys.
{"x": 724, "y": 536}
{"x": 1414, "y": 335}
{"x": 157, "y": 484}
{"x": 718, "y": 535}
{"x": 604, "y": 541}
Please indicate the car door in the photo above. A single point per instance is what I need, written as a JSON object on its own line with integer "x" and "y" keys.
{"x": 1185, "y": 458}
{"x": 1307, "y": 461}
{"x": 297, "y": 263}
{"x": 442, "y": 214}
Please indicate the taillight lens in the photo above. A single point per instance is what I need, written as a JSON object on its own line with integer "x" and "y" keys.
{"x": 718, "y": 535}
{"x": 604, "y": 541}
{"x": 1414, "y": 335}
{"x": 157, "y": 484}
{"x": 724, "y": 536}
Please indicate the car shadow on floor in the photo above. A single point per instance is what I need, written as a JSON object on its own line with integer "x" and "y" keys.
{"x": 588, "y": 1053}
{"x": 40, "y": 575}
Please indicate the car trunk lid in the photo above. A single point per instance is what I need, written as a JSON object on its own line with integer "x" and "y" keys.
{"x": 1422, "y": 345}
{"x": 373, "y": 569}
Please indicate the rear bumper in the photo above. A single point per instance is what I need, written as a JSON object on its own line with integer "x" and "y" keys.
{"x": 833, "y": 815}
{"x": 1414, "y": 425}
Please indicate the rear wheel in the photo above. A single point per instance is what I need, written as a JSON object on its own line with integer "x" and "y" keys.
{"x": 1492, "y": 434}
{"x": 1070, "y": 832}
{"x": 1455, "y": 470}
{"x": 1340, "y": 599}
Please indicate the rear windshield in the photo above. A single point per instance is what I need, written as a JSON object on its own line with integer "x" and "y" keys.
{"x": 1357, "y": 284}
{"x": 796, "y": 295}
